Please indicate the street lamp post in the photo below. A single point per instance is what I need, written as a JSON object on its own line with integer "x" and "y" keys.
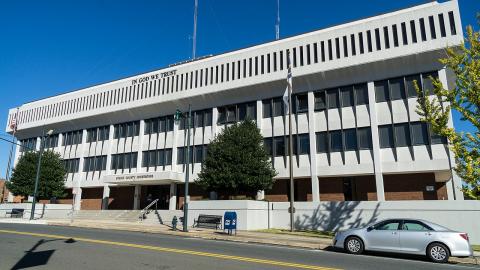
{"x": 179, "y": 115}
{"x": 32, "y": 212}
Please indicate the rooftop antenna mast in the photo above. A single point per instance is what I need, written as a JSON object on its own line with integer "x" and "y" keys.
{"x": 194, "y": 47}
{"x": 277, "y": 25}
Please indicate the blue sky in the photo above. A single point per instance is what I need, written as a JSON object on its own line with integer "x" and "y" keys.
{"x": 50, "y": 47}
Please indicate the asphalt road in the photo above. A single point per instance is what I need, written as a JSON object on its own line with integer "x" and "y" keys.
{"x": 53, "y": 247}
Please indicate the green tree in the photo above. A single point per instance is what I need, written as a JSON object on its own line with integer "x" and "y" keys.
{"x": 464, "y": 97}
{"x": 52, "y": 176}
{"x": 237, "y": 162}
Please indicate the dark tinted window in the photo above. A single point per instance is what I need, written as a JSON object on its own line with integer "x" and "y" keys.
{"x": 364, "y": 138}
{"x": 347, "y": 96}
{"x": 451, "y": 20}
{"x": 361, "y": 93}
{"x": 322, "y": 143}
{"x": 350, "y": 139}
{"x": 419, "y": 133}
{"x": 397, "y": 88}
{"x": 332, "y": 95}
{"x": 402, "y": 135}
{"x": 432, "y": 27}
{"x": 428, "y": 83}
{"x": 304, "y": 144}
{"x": 336, "y": 144}
{"x": 267, "y": 108}
{"x": 443, "y": 32}
{"x": 422, "y": 29}
{"x": 279, "y": 144}
{"x": 278, "y": 107}
{"x": 302, "y": 103}
{"x": 320, "y": 103}
{"x": 386, "y": 136}
{"x": 381, "y": 91}
{"x": 413, "y": 31}
{"x": 409, "y": 84}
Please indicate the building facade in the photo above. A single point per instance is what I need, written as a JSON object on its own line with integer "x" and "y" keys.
{"x": 357, "y": 135}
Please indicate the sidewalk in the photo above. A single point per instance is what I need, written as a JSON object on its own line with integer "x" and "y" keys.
{"x": 242, "y": 236}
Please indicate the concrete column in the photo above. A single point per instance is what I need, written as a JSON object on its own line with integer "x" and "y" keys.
{"x": 214, "y": 121}
{"x": 77, "y": 203}
{"x": 109, "y": 149}
{"x": 136, "y": 197}
{"x": 105, "y": 197}
{"x": 377, "y": 158}
{"x": 172, "y": 202}
{"x": 37, "y": 144}
{"x": 78, "y": 183}
{"x": 313, "y": 148}
{"x": 174, "y": 147}
{"x": 454, "y": 185}
{"x": 140, "y": 145}
{"x": 261, "y": 193}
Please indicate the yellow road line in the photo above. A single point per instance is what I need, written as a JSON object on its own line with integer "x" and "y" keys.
{"x": 174, "y": 250}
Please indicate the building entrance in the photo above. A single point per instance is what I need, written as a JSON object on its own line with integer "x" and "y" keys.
{"x": 151, "y": 193}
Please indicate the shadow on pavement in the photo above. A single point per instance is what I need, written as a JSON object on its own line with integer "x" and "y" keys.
{"x": 34, "y": 258}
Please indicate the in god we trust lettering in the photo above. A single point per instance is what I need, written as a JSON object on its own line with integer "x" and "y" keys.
{"x": 154, "y": 76}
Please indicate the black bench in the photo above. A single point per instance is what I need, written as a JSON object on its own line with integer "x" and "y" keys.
{"x": 16, "y": 213}
{"x": 208, "y": 221}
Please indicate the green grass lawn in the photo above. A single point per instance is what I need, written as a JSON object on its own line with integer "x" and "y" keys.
{"x": 476, "y": 247}
{"x": 319, "y": 234}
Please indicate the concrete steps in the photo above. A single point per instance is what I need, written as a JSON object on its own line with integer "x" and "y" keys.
{"x": 153, "y": 217}
{"x": 162, "y": 216}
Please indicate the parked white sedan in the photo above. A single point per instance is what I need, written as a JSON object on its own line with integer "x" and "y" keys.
{"x": 410, "y": 236}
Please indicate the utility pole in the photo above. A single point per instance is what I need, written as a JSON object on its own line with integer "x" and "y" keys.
{"x": 37, "y": 177}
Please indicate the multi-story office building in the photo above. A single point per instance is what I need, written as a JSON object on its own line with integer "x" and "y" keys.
{"x": 357, "y": 134}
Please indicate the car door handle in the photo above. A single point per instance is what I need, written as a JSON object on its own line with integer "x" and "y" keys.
{"x": 394, "y": 232}
{"x": 428, "y": 233}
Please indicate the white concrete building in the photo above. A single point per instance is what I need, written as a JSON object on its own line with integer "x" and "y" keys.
{"x": 358, "y": 135}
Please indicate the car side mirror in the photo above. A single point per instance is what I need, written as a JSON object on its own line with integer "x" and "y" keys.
{"x": 369, "y": 228}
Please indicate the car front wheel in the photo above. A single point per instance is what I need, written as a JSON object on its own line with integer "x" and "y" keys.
{"x": 354, "y": 245}
{"x": 438, "y": 253}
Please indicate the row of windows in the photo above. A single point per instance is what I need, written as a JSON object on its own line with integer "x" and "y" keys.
{"x": 98, "y": 134}
{"x": 237, "y": 112}
{"x": 50, "y": 141}
{"x": 28, "y": 144}
{"x": 159, "y": 124}
{"x": 72, "y": 137}
{"x": 407, "y": 134}
{"x": 352, "y": 44}
{"x": 125, "y": 130}
{"x": 124, "y": 161}
{"x": 71, "y": 165}
{"x": 403, "y": 87}
{"x": 197, "y": 154}
{"x": 344, "y": 140}
{"x": 154, "y": 158}
{"x": 98, "y": 163}
{"x": 202, "y": 118}
{"x": 278, "y": 146}
{"x": 339, "y": 97}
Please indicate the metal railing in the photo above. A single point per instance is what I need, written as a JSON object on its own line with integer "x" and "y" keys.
{"x": 145, "y": 210}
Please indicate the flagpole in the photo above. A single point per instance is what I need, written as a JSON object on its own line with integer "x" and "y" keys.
{"x": 290, "y": 146}
{"x": 13, "y": 125}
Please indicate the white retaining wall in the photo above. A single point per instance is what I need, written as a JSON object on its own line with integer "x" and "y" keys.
{"x": 332, "y": 216}
{"x": 42, "y": 211}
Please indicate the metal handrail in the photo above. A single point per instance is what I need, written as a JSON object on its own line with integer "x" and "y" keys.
{"x": 144, "y": 210}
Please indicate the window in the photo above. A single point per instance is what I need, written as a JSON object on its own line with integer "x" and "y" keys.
{"x": 71, "y": 165}
{"x": 98, "y": 134}
{"x": 268, "y": 63}
{"x": 386, "y": 38}
{"x": 315, "y": 53}
{"x": 377, "y": 39}
{"x": 438, "y": 139}
{"x": 267, "y": 143}
{"x": 322, "y": 142}
{"x": 332, "y": 96}
{"x": 345, "y": 47}
{"x": 397, "y": 88}
{"x": 369, "y": 41}
{"x": 256, "y": 65}
{"x": 412, "y": 225}
{"x": 301, "y": 55}
{"x": 301, "y": 102}
{"x": 303, "y": 144}
{"x": 124, "y": 161}
{"x": 404, "y": 33}
{"x": 361, "y": 94}
{"x": 402, "y": 135}
{"x": 281, "y": 60}
{"x": 267, "y": 108}
{"x": 278, "y": 107}
{"x": 451, "y": 20}
{"x": 364, "y": 138}
{"x": 72, "y": 137}
{"x": 428, "y": 82}
{"x": 413, "y": 31}
{"x": 346, "y": 94}
{"x": 322, "y": 46}
{"x": 154, "y": 158}
{"x": 98, "y": 163}
{"x": 419, "y": 133}
{"x": 320, "y": 101}
{"x": 410, "y": 86}
{"x": 50, "y": 141}
{"x": 395, "y": 35}
{"x": 350, "y": 139}
{"x": 352, "y": 41}
{"x": 28, "y": 145}
{"x": 294, "y": 57}
{"x": 222, "y": 115}
{"x": 236, "y": 112}
{"x": 250, "y": 67}
{"x": 443, "y": 32}
{"x": 247, "y": 110}
{"x": 231, "y": 114}
{"x": 360, "y": 42}
{"x": 432, "y": 27}
{"x": 422, "y": 30}
{"x": 330, "y": 50}
{"x": 388, "y": 226}
{"x": 279, "y": 144}
{"x": 337, "y": 47}
{"x": 336, "y": 144}
{"x": 386, "y": 136}
{"x": 381, "y": 91}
